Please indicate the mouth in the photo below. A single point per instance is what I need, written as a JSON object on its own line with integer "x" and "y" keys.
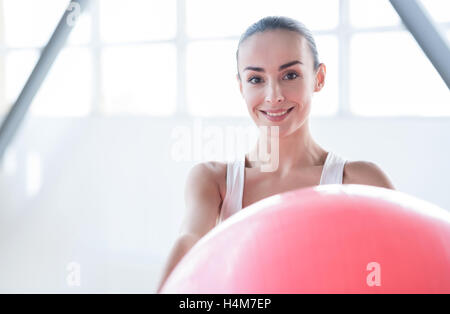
{"x": 276, "y": 117}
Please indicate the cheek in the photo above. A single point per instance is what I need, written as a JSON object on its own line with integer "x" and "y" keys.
{"x": 299, "y": 93}
{"x": 294, "y": 95}
{"x": 253, "y": 97}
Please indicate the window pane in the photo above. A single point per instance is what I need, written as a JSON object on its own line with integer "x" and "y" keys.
{"x": 370, "y": 13}
{"x": 136, "y": 20}
{"x": 140, "y": 79}
{"x": 325, "y": 102}
{"x": 233, "y": 17}
{"x": 212, "y": 88}
{"x": 81, "y": 33}
{"x": 438, "y": 9}
{"x": 67, "y": 90}
{"x": 3, "y": 104}
{"x": 390, "y": 75}
{"x": 18, "y": 67}
{"x": 30, "y": 23}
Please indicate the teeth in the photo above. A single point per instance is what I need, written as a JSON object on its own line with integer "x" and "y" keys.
{"x": 276, "y": 114}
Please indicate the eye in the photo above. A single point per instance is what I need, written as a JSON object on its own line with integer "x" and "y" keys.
{"x": 294, "y": 73}
{"x": 291, "y": 75}
{"x": 251, "y": 80}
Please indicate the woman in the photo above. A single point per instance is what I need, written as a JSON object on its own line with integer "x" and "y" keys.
{"x": 278, "y": 73}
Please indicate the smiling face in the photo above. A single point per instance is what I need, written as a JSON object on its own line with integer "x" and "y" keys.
{"x": 277, "y": 73}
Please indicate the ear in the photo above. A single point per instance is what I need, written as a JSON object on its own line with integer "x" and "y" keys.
{"x": 320, "y": 77}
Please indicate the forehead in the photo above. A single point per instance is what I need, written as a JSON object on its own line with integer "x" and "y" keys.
{"x": 272, "y": 48}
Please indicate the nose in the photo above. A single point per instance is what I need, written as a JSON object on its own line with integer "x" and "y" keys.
{"x": 274, "y": 94}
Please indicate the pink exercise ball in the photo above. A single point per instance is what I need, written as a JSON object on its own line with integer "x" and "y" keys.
{"x": 326, "y": 239}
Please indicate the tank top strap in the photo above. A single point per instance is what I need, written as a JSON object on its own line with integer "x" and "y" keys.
{"x": 232, "y": 202}
{"x": 333, "y": 169}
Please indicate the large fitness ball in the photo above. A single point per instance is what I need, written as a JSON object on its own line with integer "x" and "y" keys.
{"x": 326, "y": 239}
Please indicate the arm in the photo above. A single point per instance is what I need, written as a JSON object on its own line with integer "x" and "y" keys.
{"x": 202, "y": 198}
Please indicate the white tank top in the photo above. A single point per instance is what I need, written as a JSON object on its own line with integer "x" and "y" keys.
{"x": 332, "y": 173}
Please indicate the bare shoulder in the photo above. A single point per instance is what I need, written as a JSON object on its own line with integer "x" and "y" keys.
{"x": 214, "y": 171}
{"x": 366, "y": 173}
{"x": 217, "y": 167}
{"x": 204, "y": 170}
{"x": 219, "y": 171}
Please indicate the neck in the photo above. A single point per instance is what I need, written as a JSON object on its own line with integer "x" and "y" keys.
{"x": 295, "y": 151}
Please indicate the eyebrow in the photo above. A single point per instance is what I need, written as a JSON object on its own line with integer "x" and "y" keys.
{"x": 282, "y": 67}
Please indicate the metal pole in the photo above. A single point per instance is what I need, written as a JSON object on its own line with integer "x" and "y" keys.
{"x": 427, "y": 35}
{"x": 18, "y": 111}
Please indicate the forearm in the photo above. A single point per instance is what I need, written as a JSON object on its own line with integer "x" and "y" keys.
{"x": 180, "y": 248}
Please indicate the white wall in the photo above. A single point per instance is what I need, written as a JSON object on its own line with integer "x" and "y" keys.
{"x": 111, "y": 195}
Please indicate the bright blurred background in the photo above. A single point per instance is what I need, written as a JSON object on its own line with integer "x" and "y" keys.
{"x": 90, "y": 177}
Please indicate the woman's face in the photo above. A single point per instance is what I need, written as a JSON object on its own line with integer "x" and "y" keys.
{"x": 277, "y": 74}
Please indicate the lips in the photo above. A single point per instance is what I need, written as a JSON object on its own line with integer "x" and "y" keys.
{"x": 276, "y": 111}
{"x": 277, "y": 115}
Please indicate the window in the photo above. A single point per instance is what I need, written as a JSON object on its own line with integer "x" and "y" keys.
{"x": 438, "y": 9}
{"x": 389, "y": 73}
{"x": 18, "y": 66}
{"x": 137, "y": 20}
{"x": 387, "y": 81}
{"x": 67, "y": 89}
{"x": 139, "y": 79}
{"x": 28, "y": 25}
{"x": 232, "y": 17}
{"x": 212, "y": 88}
{"x": 154, "y": 57}
{"x": 372, "y": 13}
